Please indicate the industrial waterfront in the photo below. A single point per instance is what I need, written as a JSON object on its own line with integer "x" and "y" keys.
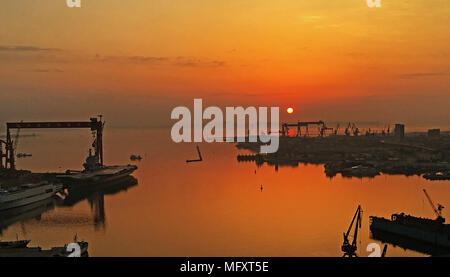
{"x": 354, "y": 153}
{"x": 215, "y": 207}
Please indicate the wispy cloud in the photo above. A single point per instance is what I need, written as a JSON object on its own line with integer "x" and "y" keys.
{"x": 27, "y": 49}
{"x": 57, "y": 55}
{"x": 47, "y": 70}
{"x": 153, "y": 60}
{"x": 193, "y": 62}
{"x": 162, "y": 61}
{"x": 422, "y": 75}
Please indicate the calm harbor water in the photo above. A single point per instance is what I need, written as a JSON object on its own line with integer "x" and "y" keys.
{"x": 211, "y": 208}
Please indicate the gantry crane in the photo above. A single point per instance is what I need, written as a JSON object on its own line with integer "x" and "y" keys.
{"x": 337, "y": 129}
{"x": 347, "y": 130}
{"x": 16, "y": 139}
{"x": 350, "y": 249}
{"x": 438, "y": 210}
{"x": 321, "y": 125}
{"x": 324, "y": 129}
{"x": 7, "y": 158}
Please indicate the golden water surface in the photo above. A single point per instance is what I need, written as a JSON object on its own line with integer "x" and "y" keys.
{"x": 212, "y": 208}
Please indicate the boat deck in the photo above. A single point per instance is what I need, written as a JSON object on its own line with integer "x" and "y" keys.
{"x": 106, "y": 171}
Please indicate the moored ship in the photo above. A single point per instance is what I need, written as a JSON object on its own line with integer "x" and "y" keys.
{"x": 27, "y": 193}
{"x": 94, "y": 172}
{"x": 13, "y": 244}
{"x": 430, "y": 231}
{"x": 20, "y": 249}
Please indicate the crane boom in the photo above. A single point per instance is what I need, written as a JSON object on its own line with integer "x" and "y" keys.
{"x": 353, "y": 220}
{"x": 431, "y": 202}
{"x": 350, "y": 249}
{"x": 438, "y": 210}
{"x": 357, "y": 225}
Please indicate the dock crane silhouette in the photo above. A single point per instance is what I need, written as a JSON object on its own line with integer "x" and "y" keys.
{"x": 438, "y": 210}
{"x": 350, "y": 249}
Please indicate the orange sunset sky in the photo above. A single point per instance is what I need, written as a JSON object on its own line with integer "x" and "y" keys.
{"x": 135, "y": 60}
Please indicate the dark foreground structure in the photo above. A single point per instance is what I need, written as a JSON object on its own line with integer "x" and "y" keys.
{"x": 431, "y": 236}
{"x": 426, "y": 231}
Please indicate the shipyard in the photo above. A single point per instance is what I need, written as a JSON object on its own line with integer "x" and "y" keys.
{"x": 355, "y": 152}
{"x": 224, "y": 137}
{"x": 23, "y": 191}
{"x": 367, "y": 153}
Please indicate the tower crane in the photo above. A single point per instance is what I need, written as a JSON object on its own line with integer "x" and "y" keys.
{"x": 350, "y": 249}
{"x": 337, "y": 129}
{"x": 347, "y": 130}
{"x": 438, "y": 210}
{"x": 383, "y": 132}
{"x": 355, "y": 130}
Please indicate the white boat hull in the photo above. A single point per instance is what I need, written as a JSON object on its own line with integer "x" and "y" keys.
{"x": 28, "y": 196}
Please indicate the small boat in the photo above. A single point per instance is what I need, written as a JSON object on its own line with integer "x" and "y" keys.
{"x": 27, "y": 193}
{"x": 82, "y": 251}
{"x": 68, "y": 250}
{"x": 135, "y": 157}
{"x": 14, "y": 244}
{"x": 350, "y": 169}
{"x": 360, "y": 171}
{"x": 440, "y": 176}
{"x": 24, "y": 155}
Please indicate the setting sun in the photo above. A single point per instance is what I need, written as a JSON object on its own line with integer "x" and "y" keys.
{"x": 290, "y": 110}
